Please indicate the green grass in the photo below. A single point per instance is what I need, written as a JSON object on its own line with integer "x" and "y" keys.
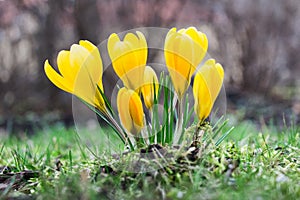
{"x": 249, "y": 164}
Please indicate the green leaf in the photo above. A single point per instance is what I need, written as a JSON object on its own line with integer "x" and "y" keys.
{"x": 224, "y": 136}
{"x": 107, "y": 103}
{"x": 104, "y": 118}
{"x": 216, "y": 133}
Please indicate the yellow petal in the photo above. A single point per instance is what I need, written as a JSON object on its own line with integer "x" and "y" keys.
{"x": 78, "y": 55}
{"x": 132, "y": 39}
{"x": 88, "y": 46}
{"x": 126, "y": 65}
{"x": 121, "y": 54}
{"x": 184, "y": 51}
{"x": 169, "y": 50}
{"x": 184, "y": 55}
{"x": 86, "y": 89}
{"x": 171, "y": 32}
{"x": 207, "y": 85}
{"x": 123, "y": 109}
{"x": 214, "y": 75}
{"x": 56, "y": 78}
{"x": 143, "y": 54}
{"x": 200, "y": 44}
{"x": 95, "y": 53}
{"x": 111, "y": 43}
{"x": 220, "y": 70}
{"x": 136, "y": 110}
{"x": 63, "y": 63}
{"x": 178, "y": 55}
{"x": 197, "y": 36}
{"x": 130, "y": 110}
{"x": 181, "y": 31}
{"x": 117, "y": 54}
{"x": 128, "y": 58}
{"x": 87, "y": 65}
{"x": 150, "y": 81}
{"x": 129, "y": 55}
{"x": 203, "y": 103}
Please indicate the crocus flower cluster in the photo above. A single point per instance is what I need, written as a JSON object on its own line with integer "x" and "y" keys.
{"x": 80, "y": 73}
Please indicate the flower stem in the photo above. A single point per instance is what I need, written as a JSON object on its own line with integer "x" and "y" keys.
{"x": 123, "y": 136}
{"x": 179, "y": 123}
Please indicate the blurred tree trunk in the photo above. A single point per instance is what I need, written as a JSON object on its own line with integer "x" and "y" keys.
{"x": 87, "y": 20}
{"x": 50, "y": 33}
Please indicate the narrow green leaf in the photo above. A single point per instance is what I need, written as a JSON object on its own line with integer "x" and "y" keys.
{"x": 1, "y": 150}
{"x": 104, "y": 118}
{"x": 107, "y": 103}
{"x": 171, "y": 118}
{"x": 224, "y": 136}
{"x": 216, "y": 133}
{"x": 217, "y": 123}
{"x": 166, "y": 114}
{"x": 71, "y": 160}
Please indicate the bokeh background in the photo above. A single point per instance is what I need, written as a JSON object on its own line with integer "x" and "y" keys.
{"x": 257, "y": 42}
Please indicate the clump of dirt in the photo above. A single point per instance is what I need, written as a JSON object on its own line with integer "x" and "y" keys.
{"x": 163, "y": 165}
{"x": 10, "y": 180}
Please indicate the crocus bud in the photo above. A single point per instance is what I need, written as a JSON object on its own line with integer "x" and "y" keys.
{"x": 130, "y": 110}
{"x": 207, "y": 85}
{"x": 150, "y": 87}
{"x": 129, "y": 58}
{"x": 184, "y": 50}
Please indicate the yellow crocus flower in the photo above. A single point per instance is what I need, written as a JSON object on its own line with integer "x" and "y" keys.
{"x": 80, "y": 71}
{"x": 130, "y": 110}
{"x": 129, "y": 58}
{"x": 184, "y": 50}
{"x": 150, "y": 87}
{"x": 207, "y": 85}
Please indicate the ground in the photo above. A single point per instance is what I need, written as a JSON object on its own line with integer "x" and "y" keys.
{"x": 55, "y": 163}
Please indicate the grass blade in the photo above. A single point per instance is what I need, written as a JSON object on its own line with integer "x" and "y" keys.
{"x": 1, "y": 149}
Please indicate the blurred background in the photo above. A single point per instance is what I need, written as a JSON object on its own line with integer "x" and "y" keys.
{"x": 257, "y": 42}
